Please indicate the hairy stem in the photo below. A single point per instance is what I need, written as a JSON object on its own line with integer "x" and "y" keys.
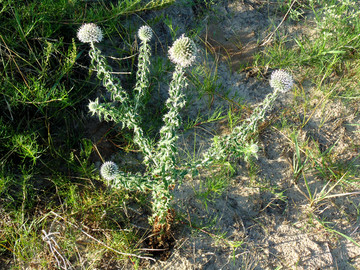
{"x": 166, "y": 148}
{"x": 142, "y": 75}
{"x": 126, "y": 113}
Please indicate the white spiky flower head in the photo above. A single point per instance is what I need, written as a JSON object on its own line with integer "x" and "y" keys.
{"x": 183, "y": 51}
{"x": 109, "y": 170}
{"x": 281, "y": 80}
{"x": 145, "y": 33}
{"x": 93, "y": 106}
{"x": 89, "y": 32}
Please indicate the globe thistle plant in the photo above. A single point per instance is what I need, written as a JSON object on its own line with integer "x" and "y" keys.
{"x": 281, "y": 80}
{"x": 89, "y": 33}
{"x": 183, "y": 54}
{"x": 162, "y": 172}
{"x": 145, "y": 34}
{"x": 236, "y": 142}
{"x": 110, "y": 111}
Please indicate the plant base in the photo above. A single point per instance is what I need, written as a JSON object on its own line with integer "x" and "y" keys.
{"x": 162, "y": 238}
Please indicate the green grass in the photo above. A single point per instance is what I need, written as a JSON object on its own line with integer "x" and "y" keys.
{"x": 323, "y": 51}
{"x": 212, "y": 187}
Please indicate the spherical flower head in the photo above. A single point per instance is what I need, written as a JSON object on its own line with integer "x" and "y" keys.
{"x": 183, "y": 51}
{"x": 145, "y": 33}
{"x": 281, "y": 80}
{"x": 109, "y": 170}
{"x": 89, "y": 32}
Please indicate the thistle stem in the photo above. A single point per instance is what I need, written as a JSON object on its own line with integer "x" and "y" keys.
{"x": 221, "y": 148}
{"x": 166, "y": 148}
{"x": 126, "y": 113}
{"x": 142, "y": 81}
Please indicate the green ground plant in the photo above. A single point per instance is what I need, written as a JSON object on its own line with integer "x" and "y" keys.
{"x": 162, "y": 174}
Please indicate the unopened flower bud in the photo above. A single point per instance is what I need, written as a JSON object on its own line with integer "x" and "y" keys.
{"x": 253, "y": 149}
{"x": 93, "y": 105}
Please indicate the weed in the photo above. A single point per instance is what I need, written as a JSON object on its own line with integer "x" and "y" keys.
{"x": 213, "y": 187}
{"x": 217, "y": 115}
{"x": 298, "y": 163}
{"x": 162, "y": 174}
